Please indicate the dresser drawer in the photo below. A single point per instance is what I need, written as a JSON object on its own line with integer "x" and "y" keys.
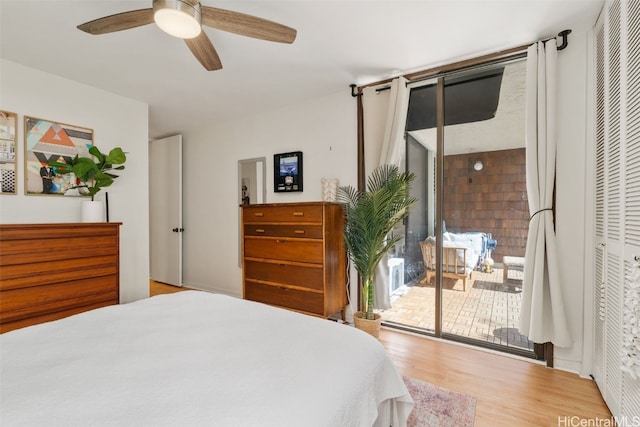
{"x": 283, "y": 213}
{"x": 302, "y": 230}
{"x": 35, "y": 301}
{"x": 287, "y": 274}
{"x": 310, "y": 302}
{"x": 284, "y": 249}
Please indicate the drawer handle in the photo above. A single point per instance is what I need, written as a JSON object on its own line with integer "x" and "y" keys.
{"x": 299, "y": 231}
{"x": 258, "y": 214}
{"x": 259, "y": 230}
{"x": 281, "y": 241}
{"x": 298, "y": 214}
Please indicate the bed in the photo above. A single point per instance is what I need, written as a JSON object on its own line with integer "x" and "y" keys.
{"x": 196, "y": 358}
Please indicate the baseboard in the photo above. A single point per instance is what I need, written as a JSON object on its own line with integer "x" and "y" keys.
{"x": 198, "y": 287}
{"x": 569, "y": 366}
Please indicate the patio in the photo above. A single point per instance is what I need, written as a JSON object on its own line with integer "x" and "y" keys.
{"x": 487, "y": 311}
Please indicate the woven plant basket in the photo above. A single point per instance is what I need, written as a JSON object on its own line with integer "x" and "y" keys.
{"x": 372, "y": 327}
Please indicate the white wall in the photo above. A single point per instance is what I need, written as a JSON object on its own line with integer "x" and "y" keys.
{"x": 116, "y": 121}
{"x": 571, "y": 191}
{"x": 323, "y": 129}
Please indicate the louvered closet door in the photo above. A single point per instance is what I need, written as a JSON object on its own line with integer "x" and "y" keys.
{"x": 613, "y": 213}
{"x": 631, "y": 387}
{"x": 599, "y": 264}
{"x": 617, "y": 198}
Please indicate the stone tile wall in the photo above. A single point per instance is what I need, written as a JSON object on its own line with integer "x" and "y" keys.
{"x": 492, "y": 200}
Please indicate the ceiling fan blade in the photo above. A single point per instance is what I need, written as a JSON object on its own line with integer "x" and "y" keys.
{"x": 247, "y": 25}
{"x": 204, "y": 51}
{"x": 118, "y": 22}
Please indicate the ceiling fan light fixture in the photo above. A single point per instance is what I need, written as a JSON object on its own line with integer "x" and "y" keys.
{"x": 177, "y": 18}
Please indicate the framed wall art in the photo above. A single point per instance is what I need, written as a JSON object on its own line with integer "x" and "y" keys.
{"x": 8, "y": 160}
{"x": 287, "y": 172}
{"x": 46, "y": 141}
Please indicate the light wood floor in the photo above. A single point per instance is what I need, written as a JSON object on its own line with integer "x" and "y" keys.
{"x": 509, "y": 392}
{"x": 157, "y": 288}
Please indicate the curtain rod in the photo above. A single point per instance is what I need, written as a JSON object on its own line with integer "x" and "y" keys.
{"x": 512, "y": 53}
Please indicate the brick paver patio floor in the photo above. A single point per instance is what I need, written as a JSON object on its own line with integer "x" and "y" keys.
{"x": 487, "y": 311}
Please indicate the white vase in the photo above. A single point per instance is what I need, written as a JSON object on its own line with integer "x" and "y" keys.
{"x": 329, "y": 189}
{"x": 93, "y": 211}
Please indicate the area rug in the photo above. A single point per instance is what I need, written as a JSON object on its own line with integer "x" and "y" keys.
{"x": 437, "y": 406}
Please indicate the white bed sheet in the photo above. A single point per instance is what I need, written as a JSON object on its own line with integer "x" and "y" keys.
{"x": 197, "y": 359}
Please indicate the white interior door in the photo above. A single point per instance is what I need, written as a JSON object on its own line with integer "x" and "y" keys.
{"x": 165, "y": 207}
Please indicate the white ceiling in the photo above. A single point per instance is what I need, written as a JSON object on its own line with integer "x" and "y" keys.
{"x": 338, "y": 43}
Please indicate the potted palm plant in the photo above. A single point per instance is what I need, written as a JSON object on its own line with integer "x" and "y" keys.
{"x": 371, "y": 215}
{"x": 92, "y": 174}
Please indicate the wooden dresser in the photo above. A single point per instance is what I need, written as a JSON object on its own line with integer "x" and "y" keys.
{"x": 51, "y": 271}
{"x": 294, "y": 256}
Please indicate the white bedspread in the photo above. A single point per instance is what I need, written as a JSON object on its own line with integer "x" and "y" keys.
{"x": 197, "y": 359}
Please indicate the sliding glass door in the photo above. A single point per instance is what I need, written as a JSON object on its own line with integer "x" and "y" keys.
{"x": 463, "y": 273}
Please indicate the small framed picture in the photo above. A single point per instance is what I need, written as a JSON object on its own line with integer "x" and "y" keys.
{"x": 8, "y": 160}
{"x": 287, "y": 172}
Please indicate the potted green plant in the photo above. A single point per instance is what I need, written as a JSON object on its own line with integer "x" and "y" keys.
{"x": 371, "y": 215}
{"x": 92, "y": 174}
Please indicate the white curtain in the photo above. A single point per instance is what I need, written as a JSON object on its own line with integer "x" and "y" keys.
{"x": 384, "y": 117}
{"x": 542, "y": 315}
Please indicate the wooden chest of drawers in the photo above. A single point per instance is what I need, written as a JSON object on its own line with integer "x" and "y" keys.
{"x": 294, "y": 256}
{"x": 51, "y": 271}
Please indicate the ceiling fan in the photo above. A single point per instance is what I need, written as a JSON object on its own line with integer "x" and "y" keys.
{"x": 184, "y": 19}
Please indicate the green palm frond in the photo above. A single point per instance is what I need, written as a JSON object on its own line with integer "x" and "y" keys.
{"x": 371, "y": 215}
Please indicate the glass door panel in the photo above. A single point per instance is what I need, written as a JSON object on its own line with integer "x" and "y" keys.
{"x": 484, "y": 205}
{"x": 413, "y": 303}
